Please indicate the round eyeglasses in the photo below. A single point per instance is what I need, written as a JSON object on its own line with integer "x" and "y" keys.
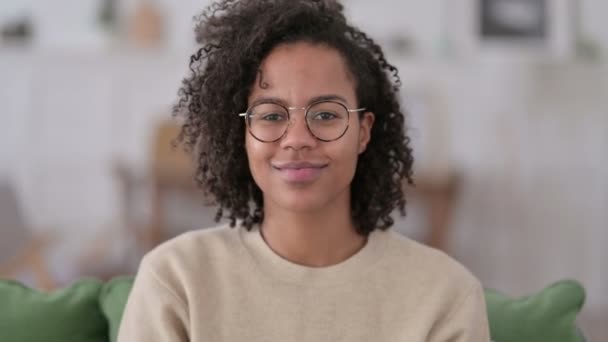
{"x": 326, "y": 120}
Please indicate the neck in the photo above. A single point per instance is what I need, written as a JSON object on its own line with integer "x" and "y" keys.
{"x": 321, "y": 238}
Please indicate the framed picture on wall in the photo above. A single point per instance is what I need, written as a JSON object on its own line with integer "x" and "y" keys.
{"x": 513, "y": 19}
{"x": 529, "y": 28}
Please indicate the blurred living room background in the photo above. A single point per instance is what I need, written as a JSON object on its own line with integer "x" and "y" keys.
{"x": 507, "y": 104}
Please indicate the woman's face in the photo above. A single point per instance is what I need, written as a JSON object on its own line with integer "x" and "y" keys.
{"x": 298, "y": 172}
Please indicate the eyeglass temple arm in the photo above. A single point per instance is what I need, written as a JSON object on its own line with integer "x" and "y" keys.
{"x": 356, "y": 110}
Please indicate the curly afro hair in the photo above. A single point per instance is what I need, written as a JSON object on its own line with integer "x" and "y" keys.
{"x": 234, "y": 37}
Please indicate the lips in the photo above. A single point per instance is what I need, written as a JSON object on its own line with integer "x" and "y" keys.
{"x": 300, "y": 171}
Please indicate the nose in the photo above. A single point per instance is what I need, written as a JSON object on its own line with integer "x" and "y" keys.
{"x": 298, "y": 136}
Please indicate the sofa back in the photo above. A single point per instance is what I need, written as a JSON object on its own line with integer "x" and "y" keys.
{"x": 91, "y": 311}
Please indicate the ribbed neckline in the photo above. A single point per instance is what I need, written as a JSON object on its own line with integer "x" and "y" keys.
{"x": 282, "y": 269}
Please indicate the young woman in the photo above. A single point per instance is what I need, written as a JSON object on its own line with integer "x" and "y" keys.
{"x": 299, "y": 136}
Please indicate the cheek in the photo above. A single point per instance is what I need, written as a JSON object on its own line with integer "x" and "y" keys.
{"x": 352, "y": 142}
{"x": 258, "y": 155}
{"x": 345, "y": 155}
{"x": 259, "y": 150}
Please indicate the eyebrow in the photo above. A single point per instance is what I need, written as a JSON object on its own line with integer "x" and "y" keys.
{"x": 328, "y": 97}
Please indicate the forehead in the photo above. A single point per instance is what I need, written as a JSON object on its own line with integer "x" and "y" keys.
{"x": 299, "y": 71}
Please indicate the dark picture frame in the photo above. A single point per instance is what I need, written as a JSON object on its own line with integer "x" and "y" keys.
{"x": 514, "y": 19}
{"x": 542, "y": 30}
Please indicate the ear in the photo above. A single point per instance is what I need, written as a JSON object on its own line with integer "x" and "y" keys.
{"x": 366, "y": 122}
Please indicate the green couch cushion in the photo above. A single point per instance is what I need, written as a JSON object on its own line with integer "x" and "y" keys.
{"x": 547, "y": 316}
{"x": 113, "y": 299}
{"x": 67, "y": 315}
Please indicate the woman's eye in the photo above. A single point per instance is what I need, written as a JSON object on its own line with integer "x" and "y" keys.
{"x": 273, "y": 117}
{"x": 324, "y": 116}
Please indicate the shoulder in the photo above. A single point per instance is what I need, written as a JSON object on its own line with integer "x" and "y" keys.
{"x": 195, "y": 241}
{"x": 431, "y": 270}
{"x": 192, "y": 252}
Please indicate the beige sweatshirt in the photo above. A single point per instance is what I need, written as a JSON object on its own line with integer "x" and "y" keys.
{"x": 226, "y": 284}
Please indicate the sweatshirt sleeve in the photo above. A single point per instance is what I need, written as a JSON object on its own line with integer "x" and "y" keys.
{"x": 153, "y": 311}
{"x": 466, "y": 322}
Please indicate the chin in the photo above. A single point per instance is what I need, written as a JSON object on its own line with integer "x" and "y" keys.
{"x": 312, "y": 198}
{"x": 301, "y": 201}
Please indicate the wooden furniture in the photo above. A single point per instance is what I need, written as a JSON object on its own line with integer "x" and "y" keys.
{"x": 438, "y": 195}
{"x": 170, "y": 170}
{"x": 21, "y": 250}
